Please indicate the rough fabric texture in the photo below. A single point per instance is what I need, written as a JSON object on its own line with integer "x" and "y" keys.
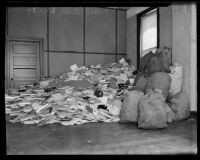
{"x": 140, "y": 83}
{"x": 129, "y": 111}
{"x": 153, "y": 65}
{"x": 152, "y": 111}
{"x": 166, "y": 56}
{"x": 170, "y": 114}
{"x": 179, "y": 103}
{"x": 176, "y": 75}
{"x": 159, "y": 80}
{"x": 156, "y": 62}
{"x": 144, "y": 60}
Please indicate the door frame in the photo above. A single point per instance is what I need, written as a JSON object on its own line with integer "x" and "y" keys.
{"x": 25, "y": 39}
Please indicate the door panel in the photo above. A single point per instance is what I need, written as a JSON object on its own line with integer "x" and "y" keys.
{"x": 24, "y": 48}
{"x": 24, "y": 60}
{"x": 29, "y": 61}
{"x": 20, "y": 72}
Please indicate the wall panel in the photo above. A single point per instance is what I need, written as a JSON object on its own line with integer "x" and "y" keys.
{"x": 95, "y": 59}
{"x": 66, "y": 29}
{"x": 132, "y": 40}
{"x": 121, "y": 31}
{"x": 181, "y": 41}
{"x": 165, "y": 26}
{"x": 61, "y": 62}
{"x": 100, "y": 30}
{"x": 28, "y": 22}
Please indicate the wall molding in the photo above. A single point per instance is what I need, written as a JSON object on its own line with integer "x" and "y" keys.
{"x": 78, "y": 52}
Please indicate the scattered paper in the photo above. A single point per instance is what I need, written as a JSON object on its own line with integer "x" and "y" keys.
{"x": 69, "y": 98}
{"x": 74, "y": 67}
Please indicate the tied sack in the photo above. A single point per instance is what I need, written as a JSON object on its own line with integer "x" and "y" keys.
{"x": 129, "y": 110}
{"x": 144, "y": 60}
{"x": 179, "y": 103}
{"x": 177, "y": 78}
{"x": 140, "y": 82}
{"x": 152, "y": 111}
{"x": 160, "y": 61}
{"x": 159, "y": 80}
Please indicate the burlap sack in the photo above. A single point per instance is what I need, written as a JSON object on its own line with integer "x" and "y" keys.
{"x": 140, "y": 83}
{"x": 157, "y": 62}
{"x": 159, "y": 80}
{"x": 152, "y": 111}
{"x": 144, "y": 60}
{"x": 166, "y": 57}
{"x": 179, "y": 103}
{"x": 129, "y": 110}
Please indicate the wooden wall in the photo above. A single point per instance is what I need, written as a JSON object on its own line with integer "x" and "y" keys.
{"x": 81, "y": 35}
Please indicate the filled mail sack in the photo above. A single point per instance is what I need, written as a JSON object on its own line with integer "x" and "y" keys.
{"x": 179, "y": 103}
{"x": 170, "y": 114}
{"x": 159, "y": 80}
{"x": 160, "y": 61}
{"x": 144, "y": 60}
{"x": 129, "y": 110}
{"x": 140, "y": 82}
{"x": 152, "y": 111}
{"x": 166, "y": 56}
{"x": 176, "y": 75}
{"x": 153, "y": 65}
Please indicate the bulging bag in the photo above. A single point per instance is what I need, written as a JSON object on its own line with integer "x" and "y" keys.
{"x": 152, "y": 111}
{"x": 159, "y": 80}
{"x": 176, "y": 75}
{"x": 129, "y": 110}
{"x": 140, "y": 83}
{"x": 160, "y": 61}
{"x": 179, "y": 103}
{"x": 144, "y": 60}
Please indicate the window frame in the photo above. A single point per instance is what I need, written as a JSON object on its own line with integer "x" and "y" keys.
{"x": 139, "y": 16}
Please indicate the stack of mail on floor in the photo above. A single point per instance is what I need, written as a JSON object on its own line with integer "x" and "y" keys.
{"x": 86, "y": 94}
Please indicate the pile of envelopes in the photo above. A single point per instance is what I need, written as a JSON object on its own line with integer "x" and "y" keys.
{"x": 83, "y": 95}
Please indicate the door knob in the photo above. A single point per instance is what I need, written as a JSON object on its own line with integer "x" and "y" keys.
{"x": 11, "y": 79}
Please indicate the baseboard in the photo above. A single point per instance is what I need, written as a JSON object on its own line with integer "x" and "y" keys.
{"x": 193, "y": 114}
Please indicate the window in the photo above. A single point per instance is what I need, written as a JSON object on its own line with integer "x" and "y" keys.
{"x": 148, "y": 27}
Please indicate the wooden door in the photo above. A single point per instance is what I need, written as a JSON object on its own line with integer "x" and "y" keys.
{"x": 24, "y": 62}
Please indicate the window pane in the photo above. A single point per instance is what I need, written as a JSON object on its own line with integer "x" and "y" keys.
{"x": 149, "y": 31}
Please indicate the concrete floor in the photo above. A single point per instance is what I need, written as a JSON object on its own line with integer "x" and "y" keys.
{"x": 101, "y": 138}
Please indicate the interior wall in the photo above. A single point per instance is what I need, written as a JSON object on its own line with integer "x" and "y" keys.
{"x": 193, "y": 61}
{"x": 182, "y": 42}
{"x": 165, "y": 26}
{"x": 178, "y": 31}
{"x": 132, "y": 40}
{"x": 71, "y": 34}
{"x": 165, "y": 30}
{"x": 132, "y": 33}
